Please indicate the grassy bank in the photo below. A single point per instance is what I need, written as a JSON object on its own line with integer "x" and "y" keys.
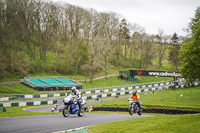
{"x": 18, "y": 111}
{"x": 111, "y": 81}
{"x": 158, "y": 124}
{"x": 183, "y": 98}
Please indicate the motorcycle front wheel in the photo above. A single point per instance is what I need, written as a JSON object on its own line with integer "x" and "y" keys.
{"x": 130, "y": 110}
{"x": 66, "y": 111}
{"x": 81, "y": 112}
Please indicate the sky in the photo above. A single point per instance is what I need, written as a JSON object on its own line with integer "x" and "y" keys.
{"x": 154, "y": 15}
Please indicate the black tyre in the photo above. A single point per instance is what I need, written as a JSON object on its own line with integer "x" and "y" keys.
{"x": 130, "y": 110}
{"x": 81, "y": 112}
{"x": 140, "y": 112}
{"x": 66, "y": 111}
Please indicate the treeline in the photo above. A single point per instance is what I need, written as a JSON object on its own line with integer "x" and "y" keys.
{"x": 36, "y": 36}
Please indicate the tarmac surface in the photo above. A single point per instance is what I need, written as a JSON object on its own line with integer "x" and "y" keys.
{"x": 55, "y": 123}
{"x": 60, "y": 104}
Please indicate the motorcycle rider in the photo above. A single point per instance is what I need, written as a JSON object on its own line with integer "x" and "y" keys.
{"x": 75, "y": 92}
{"x": 135, "y": 97}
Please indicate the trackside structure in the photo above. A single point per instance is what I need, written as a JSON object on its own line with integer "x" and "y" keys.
{"x": 50, "y": 84}
{"x": 130, "y": 75}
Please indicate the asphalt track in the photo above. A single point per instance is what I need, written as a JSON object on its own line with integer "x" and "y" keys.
{"x": 54, "y": 123}
{"x": 60, "y": 103}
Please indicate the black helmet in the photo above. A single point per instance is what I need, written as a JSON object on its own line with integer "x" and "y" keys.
{"x": 134, "y": 92}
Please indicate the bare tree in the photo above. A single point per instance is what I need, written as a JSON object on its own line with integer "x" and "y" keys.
{"x": 162, "y": 46}
{"x": 146, "y": 42}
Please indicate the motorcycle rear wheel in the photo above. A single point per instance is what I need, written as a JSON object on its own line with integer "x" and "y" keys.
{"x": 66, "y": 111}
{"x": 139, "y": 111}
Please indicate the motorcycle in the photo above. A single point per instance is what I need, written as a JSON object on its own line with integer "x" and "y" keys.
{"x": 71, "y": 106}
{"x": 134, "y": 107}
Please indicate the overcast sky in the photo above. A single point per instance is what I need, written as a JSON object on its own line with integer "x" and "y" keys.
{"x": 169, "y": 15}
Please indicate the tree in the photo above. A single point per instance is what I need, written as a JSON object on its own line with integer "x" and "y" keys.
{"x": 190, "y": 51}
{"x": 135, "y": 29}
{"x": 146, "y": 43}
{"x": 124, "y": 35}
{"x": 174, "y": 52}
{"x": 162, "y": 46}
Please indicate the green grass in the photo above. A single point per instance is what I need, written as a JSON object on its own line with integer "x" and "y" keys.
{"x": 18, "y": 111}
{"x": 158, "y": 124}
{"x": 16, "y": 88}
{"x": 170, "y": 99}
{"x": 166, "y": 66}
{"x": 112, "y": 81}
{"x": 22, "y": 89}
{"x": 14, "y": 77}
{"x": 10, "y": 77}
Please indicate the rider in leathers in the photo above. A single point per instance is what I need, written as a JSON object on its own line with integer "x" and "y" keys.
{"x": 78, "y": 94}
{"x": 135, "y": 97}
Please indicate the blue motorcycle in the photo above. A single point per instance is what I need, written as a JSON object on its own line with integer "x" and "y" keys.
{"x": 134, "y": 107}
{"x": 71, "y": 106}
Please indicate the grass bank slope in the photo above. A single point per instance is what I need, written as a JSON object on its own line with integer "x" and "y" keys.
{"x": 158, "y": 124}
{"x": 111, "y": 81}
{"x": 183, "y": 98}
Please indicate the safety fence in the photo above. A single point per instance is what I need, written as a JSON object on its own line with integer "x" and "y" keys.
{"x": 29, "y": 103}
{"x": 123, "y": 93}
{"x": 92, "y": 96}
{"x": 129, "y": 92}
{"x": 160, "y": 111}
{"x": 104, "y": 92}
{"x": 30, "y": 96}
{"x": 131, "y": 87}
{"x": 127, "y": 88}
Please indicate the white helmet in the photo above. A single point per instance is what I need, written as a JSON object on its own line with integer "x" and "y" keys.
{"x": 73, "y": 89}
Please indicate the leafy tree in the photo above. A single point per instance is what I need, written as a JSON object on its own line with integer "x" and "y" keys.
{"x": 124, "y": 34}
{"x": 174, "y": 52}
{"x": 190, "y": 51}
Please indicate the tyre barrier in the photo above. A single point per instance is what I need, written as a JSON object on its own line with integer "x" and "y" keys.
{"x": 160, "y": 111}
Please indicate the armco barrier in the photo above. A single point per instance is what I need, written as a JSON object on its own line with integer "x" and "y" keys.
{"x": 127, "y": 90}
{"x": 33, "y": 96}
{"x": 30, "y": 103}
{"x": 138, "y": 86}
{"x": 130, "y": 91}
{"x": 89, "y": 92}
{"x": 160, "y": 111}
{"x": 122, "y": 93}
{"x": 146, "y": 85}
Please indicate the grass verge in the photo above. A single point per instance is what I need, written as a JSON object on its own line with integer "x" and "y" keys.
{"x": 111, "y": 81}
{"x": 183, "y": 98}
{"x": 158, "y": 124}
{"x": 18, "y": 111}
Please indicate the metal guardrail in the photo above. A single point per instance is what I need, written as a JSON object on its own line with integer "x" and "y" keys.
{"x": 92, "y": 90}
{"x": 119, "y": 86}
